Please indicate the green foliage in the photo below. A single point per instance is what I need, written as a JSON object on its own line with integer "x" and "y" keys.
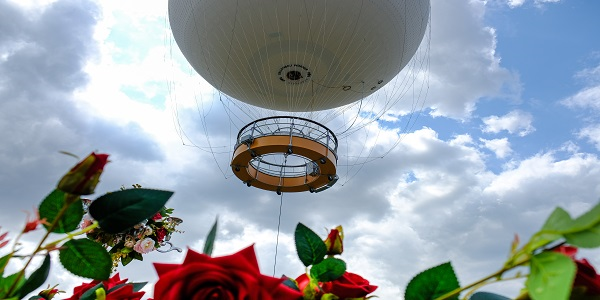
{"x": 432, "y": 283}
{"x": 7, "y": 282}
{"x": 138, "y": 286}
{"x": 4, "y": 261}
{"x": 290, "y": 283}
{"x": 328, "y": 270}
{"x": 37, "y": 278}
{"x": 210, "y": 239}
{"x": 588, "y": 238}
{"x": 487, "y": 296}
{"x": 51, "y": 206}
{"x": 121, "y": 210}
{"x": 86, "y": 258}
{"x": 91, "y": 293}
{"x": 551, "y": 276}
{"x": 584, "y": 231}
{"x": 311, "y": 249}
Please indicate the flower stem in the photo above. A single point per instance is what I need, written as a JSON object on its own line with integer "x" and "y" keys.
{"x": 72, "y": 235}
{"x": 460, "y": 289}
{"x": 483, "y": 280}
{"x": 68, "y": 201}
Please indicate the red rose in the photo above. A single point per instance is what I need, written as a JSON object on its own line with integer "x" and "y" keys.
{"x": 125, "y": 292}
{"x": 160, "y": 234}
{"x": 348, "y": 286}
{"x": 231, "y": 277}
{"x": 586, "y": 274}
{"x": 157, "y": 216}
{"x": 83, "y": 177}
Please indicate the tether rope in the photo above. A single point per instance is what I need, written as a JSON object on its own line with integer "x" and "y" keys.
{"x": 278, "y": 226}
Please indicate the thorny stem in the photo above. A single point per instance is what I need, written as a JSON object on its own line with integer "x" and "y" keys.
{"x": 472, "y": 291}
{"x": 74, "y": 234}
{"x": 481, "y": 281}
{"x": 69, "y": 199}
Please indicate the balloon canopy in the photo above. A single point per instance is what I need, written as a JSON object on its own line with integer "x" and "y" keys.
{"x": 298, "y": 56}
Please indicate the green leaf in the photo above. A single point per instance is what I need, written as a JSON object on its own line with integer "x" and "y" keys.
{"x": 589, "y": 238}
{"x": 91, "y": 293}
{"x": 328, "y": 270}
{"x": 36, "y": 297}
{"x": 587, "y": 220}
{"x": 51, "y": 206}
{"x": 432, "y": 283}
{"x": 487, "y": 296}
{"x": 290, "y": 283}
{"x": 551, "y": 276}
{"x": 311, "y": 249}
{"x": 37, "y": 278}
{"x": 138, "y": 286}
{"x": 126, "y": 260}
{"x": 7, "y": 282}
{"x": 210, "y": 239}
{"x": 559, "y": 220}
{"x": 4, "y": 261}
{"x": 121, "y": 210}
{"x": 86, "y": 258}
{"x": 557, "y": 223}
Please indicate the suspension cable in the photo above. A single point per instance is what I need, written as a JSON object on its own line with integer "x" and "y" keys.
{"x": 278, "y": 226}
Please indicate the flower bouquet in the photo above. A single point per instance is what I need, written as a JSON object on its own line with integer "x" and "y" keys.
{"x": 149, "y": 235}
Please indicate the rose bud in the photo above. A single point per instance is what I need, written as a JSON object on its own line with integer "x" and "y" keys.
{"x": 83, "y": 178}
{"x": 334, "y": 241}
{"x": 49, "y": 293}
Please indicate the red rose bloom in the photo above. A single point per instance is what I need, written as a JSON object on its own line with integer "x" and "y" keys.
{"x": 348, "y": 286}
{"x": 157, "y": 216}
{"x": 124, "y": 292}
{"x": 160, "y": 234}
{"x": 586, "y": 274}
{"x": 231, "y": 277}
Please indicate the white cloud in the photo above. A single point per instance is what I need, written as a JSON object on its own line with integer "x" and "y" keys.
{"x": 586, "y": 98}
{"x": 517, "y": 3}
{"x": 515, "y": 122}
{"x": 463, "y": 53}
{"x": 592, "y": 134}
{"x": 500, "y": 147}
{"x": 591, "y": 75}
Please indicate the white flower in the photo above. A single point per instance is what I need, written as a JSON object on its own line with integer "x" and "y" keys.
{"x": 148, "y": 231}
{"x": 144, "y": 246}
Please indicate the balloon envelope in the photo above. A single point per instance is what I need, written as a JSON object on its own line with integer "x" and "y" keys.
{"x": 298, "y": 55}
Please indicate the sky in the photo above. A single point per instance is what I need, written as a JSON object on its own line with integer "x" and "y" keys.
{"x": 509, "y": 130}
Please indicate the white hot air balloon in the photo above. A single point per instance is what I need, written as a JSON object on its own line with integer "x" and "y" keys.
{"x": 297, "y": 60}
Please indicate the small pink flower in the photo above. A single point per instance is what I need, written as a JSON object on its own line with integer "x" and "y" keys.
{"x": 2, "y": 241}
{"x": 144, "y": 246}
{"x": 32, "y": 224}
{"x": 87, "y": 221}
